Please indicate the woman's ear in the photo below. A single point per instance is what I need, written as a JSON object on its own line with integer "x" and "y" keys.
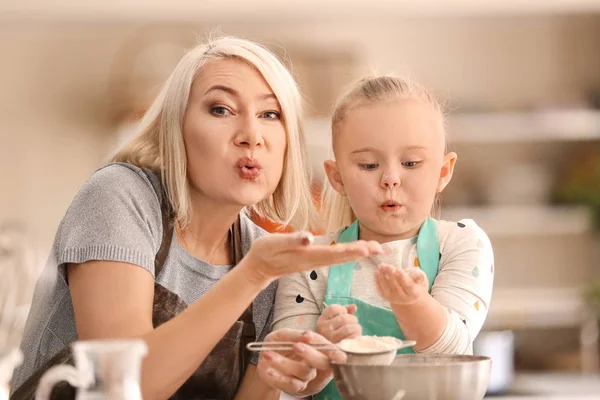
{"x": 446, "y": 171}
{"x": 334, "y": 176}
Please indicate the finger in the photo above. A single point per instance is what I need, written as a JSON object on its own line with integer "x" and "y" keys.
{"x": 382, "y": 284}
{"x": 391, "y": 284}
{"x": 341, "y": 320}
{"x": 375, "y": 248}
{"x": 385, "y": 275}
{"x": 337, "y": 356}
{"x": 288, "y": 241}
{"x": 275, "y": 379}
{"x": 334, "y": 329}
{"x": 311, "y": 356}
{"x": 287, "y": 367}
{"x": 350, "y": 331}
{"x": 379, "y": 279}
{"x": 351, "y": 309}
{"x": 378, "y": 285}
{"x": 407, "y": 285}
{"x": 337, "y": 252}
{"x": 417, "y": 281}
{"x": 416, "y": 274}
{"x": 285, "y": 335}
{"x": 333, "y": 311}
{"x": 404, "y": 280}
{"x": 386, "y": 268}
{"x": 319, "y": 359}
{"x": 318, "y": 255}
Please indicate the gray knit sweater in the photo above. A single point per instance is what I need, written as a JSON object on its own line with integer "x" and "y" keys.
{"x": 116, "y": 216}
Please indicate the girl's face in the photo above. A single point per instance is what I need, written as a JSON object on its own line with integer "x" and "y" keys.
{"x": 390, "y": 163}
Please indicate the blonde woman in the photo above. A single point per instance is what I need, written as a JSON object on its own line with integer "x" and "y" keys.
{"x": 147, "y": 248}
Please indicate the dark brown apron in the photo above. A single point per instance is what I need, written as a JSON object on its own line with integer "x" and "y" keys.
{"x": 218, "y": 377}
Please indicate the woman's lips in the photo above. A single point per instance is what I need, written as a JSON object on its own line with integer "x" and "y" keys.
{"x": 249, "y": 173}
{"x": 248, "y": 168}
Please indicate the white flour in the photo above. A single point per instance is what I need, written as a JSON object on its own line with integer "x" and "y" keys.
{"x": 369, "y": 344}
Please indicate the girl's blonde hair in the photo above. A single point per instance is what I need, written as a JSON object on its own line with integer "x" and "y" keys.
{"x": 335, "y": 208}
{"x": 158, "y": 144}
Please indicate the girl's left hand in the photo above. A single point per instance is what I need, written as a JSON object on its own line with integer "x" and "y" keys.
{"x": 401, "y": 287}
{"x": 338, "y": 323}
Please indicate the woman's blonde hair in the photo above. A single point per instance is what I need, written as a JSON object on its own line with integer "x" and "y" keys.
{"x": 159, "y": 146}
{"x": 335, "y": 208}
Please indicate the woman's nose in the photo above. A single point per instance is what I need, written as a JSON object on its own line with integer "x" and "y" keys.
{"x": 249, "y": 134}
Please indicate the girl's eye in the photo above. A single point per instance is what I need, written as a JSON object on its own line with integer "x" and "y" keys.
{"x": 369, "y": 167}
{"x": 220, "y": 111}
{"x": 411, "y": 164}
{"x": 271, "y": 115}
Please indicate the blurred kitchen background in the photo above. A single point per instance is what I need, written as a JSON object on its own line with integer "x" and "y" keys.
{"x": 520, "y": 78}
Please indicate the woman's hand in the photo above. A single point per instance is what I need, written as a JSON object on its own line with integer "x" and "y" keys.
{"x": 338, "y": 323}
{"x": 292, "y": 371}
{"x": 276, "y": 255}
{"x": 401, "y": 287}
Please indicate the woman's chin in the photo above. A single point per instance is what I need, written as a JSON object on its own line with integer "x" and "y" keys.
{"x": 250, "y": 199}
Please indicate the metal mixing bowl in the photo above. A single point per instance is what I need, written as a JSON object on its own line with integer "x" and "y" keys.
{"x": 422, "y": 377}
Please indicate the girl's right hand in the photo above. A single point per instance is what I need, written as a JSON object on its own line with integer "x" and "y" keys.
{"x": 276, "y": 255}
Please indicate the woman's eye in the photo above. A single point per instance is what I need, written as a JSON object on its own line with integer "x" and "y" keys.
{"x": 220, "y": 111}
{"x": 271, "y": 115}
{"x": 369, "y": 166}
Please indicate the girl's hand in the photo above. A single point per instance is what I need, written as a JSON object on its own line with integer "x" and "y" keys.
{"x": 338, "y": 323}
{"x": 401, "y": 287}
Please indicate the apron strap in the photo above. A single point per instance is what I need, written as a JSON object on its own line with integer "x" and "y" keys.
{"x": 248, "y": 333}
{"x": 168, "y": 223}
{"x": 339, "y": 281}
{"x": 235, "y": 238}
{"x": 428, "y": 250}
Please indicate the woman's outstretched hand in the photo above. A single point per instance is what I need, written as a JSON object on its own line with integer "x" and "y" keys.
{"x": 276, "y": 255}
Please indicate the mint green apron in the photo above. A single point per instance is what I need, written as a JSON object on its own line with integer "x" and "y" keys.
{"x": 377, "y": 320}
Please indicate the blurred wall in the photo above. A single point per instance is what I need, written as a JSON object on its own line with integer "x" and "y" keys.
{"x": 57, "y": 97}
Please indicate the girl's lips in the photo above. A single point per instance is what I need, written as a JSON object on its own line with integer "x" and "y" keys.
{"x": 390, "y": 206}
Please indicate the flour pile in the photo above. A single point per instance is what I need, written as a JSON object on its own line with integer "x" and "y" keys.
{"x": 369, "y": 344}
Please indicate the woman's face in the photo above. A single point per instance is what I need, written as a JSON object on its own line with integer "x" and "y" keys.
{"x": 234, "y": 135}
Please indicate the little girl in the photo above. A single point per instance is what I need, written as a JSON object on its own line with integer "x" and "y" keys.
{"x": 434, "y": 283}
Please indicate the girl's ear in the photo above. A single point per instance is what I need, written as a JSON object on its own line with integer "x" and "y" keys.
{"x": 446, "y": 171}
{"x": 334, "y": 176}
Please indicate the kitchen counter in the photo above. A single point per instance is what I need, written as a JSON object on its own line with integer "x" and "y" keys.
{"x": 553, "y": 386}
{"x": 545, "y": 386}
{"x": 547, "y": 397}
